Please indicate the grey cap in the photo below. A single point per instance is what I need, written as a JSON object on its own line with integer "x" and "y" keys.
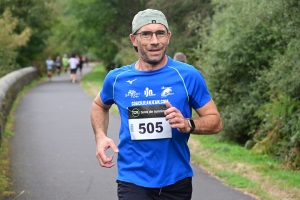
{"x": 148, "y": 16}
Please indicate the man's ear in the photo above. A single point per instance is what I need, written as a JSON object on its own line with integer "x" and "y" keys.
{"x": 169, "y": 36}
{"x": 133, "y": 39}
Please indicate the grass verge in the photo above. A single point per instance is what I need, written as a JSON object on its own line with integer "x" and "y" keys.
{"x": 93, "y": 81}
{"x": 255, "y": 174}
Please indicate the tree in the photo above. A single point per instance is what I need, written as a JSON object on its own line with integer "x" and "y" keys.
{"x": 10, "y": 42}
{"x": 180, "y": 15}
{"x": 249, "y": 53}
{"x": 39, "y": 17}
{"x": 105, "y": 23}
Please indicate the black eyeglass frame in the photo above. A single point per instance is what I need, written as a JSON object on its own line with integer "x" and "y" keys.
{"x": 165, "y": 34}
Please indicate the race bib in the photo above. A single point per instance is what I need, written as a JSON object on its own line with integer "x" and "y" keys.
{"x": 148, "y": 123}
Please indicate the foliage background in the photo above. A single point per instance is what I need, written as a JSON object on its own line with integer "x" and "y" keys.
{"x": 250, "y": 54}
{"x": 10, "y": 42}
{"x": 248, "y": 51}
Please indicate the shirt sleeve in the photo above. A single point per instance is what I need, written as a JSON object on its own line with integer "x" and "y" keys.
{"x": 198, "y": 92}
{"x": 107, "y": 91}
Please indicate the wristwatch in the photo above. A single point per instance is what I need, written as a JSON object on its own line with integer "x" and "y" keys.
{"x": 191, "y": 125}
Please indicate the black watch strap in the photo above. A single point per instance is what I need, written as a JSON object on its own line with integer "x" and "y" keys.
{"x": 192, "y": 125}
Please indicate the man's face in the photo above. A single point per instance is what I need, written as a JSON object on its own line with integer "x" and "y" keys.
{"x": 151, "y": 50}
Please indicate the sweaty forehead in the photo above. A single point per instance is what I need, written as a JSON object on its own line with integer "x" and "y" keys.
{"x": 153, "y": 27}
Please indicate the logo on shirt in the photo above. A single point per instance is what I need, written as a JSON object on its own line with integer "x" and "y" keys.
{"x": 132, "y": 94}
{"x": 166, "y": 91}
{"x": 135, "y": 112}
{"x": 148, "y": 92}
{"x": 130, "y": 81}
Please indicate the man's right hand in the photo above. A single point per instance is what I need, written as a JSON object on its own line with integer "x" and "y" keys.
{"x": 101, "y": 147}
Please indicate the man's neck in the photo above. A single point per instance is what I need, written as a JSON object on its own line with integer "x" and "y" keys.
{"x": 143, "y": 66}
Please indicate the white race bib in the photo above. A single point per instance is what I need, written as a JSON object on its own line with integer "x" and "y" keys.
{"x": 148, "y": 122}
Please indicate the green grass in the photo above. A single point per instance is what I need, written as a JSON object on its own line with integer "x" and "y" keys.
{"x": 92, "y": 82}
{"x": 234, "y": 152}
{"x": 232, "y": 155}
{"x": 292, "y": 177}
{"x": 235, "y": 180}
{"x": 96, "y": 75}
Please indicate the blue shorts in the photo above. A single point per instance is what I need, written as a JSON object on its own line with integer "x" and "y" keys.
{"x": 181, "y": 190}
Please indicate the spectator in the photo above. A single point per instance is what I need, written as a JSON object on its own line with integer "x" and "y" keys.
{"x": 73, "y": 62}
{"x": 58, "y": 64}
{"x": 65, "y": 62}
{"x": 179, "y": 56}
{"x": 49, "y": 64}
{"x": 80, "y": 64}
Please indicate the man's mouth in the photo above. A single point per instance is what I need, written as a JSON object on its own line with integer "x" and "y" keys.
{"x": 154, "y": 50}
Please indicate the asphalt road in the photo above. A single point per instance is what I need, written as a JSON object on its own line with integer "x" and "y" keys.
{"x": 53, "y": 150}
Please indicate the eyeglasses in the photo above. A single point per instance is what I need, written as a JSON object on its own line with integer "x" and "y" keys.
{"x": 147, "y": 35}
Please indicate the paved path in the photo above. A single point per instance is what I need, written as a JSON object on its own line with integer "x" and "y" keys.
{"x": 53, "y": 149}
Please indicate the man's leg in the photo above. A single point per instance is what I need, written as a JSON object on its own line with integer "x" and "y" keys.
{"x": 130, "y": 191}
{"x": 181, "y": 190}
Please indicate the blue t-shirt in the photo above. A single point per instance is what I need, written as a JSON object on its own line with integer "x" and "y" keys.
{"x": 154, "y": 163}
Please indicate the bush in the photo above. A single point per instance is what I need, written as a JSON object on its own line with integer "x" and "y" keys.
{"x": 10, "y": 42}
{"x": 249, "y": 55}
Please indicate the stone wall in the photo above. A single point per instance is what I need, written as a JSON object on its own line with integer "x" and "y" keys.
{"x": 10, "y": 85}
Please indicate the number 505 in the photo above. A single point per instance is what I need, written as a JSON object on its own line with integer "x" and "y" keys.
{"x": 150, "y": 127}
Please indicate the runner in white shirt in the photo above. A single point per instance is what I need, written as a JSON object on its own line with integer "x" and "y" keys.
{"x": 73, "y": 67}
{"x": 49, "y": 64}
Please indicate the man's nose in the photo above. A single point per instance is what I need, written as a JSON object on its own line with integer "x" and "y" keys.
{"x": 154, "y": 38}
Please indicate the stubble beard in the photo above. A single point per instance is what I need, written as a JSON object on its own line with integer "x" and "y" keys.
{"x": 152, "y": 62}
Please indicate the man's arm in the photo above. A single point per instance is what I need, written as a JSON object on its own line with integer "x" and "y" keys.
{"x": 208, "y": 122}
{"x": 100, "y": 120}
